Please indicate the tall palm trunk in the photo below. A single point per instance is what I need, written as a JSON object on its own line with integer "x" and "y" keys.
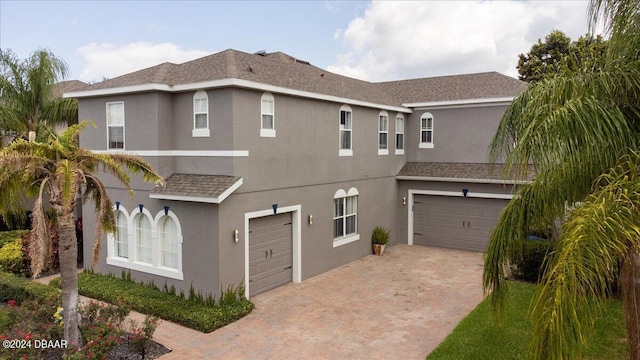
{"x": 630, "y": 283}
{"x": 68, "y": 254}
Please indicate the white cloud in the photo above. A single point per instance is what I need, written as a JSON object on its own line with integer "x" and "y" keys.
{"x": 406, "y": 39}
{"x": 110, "y": 60}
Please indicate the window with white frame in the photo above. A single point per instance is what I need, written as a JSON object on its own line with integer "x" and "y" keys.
{"x": 142, "y": 233}
{"x": 399, "y": 134}
{"x": 383, "y": 133}
{"x": 200, "y": 114}
{"x": 267, "y": 119}
{"x": 169, "y": 242}
{"x": 115, "y": 125}
{"x": 345, "y": 131}
{"x": 121, "y": 235}
{"x": 426, "y": 130}
{"x": 147, "y": 244}
{"x": 345, "y": 217}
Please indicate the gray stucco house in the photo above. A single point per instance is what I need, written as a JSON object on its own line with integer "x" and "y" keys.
{"x": 278, "y": 170}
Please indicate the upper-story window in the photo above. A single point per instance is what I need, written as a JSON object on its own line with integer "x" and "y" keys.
{"x": 426, "y": 130}
{"x": 383, "y": 133}
{"x": 399, "y": 134}
{"x": 267, "y": 120}
{"x": 115, "y": 125}
{"x": 200, "y": 114}
{"x": 345, "y": 131}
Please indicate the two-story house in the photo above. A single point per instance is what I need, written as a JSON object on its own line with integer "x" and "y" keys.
{"x": 278, "y": 170}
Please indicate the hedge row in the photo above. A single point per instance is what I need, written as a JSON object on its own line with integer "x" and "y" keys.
{"x": 528, "y": 266}
{"x": 152, "y": 301}
{"x": 18, "y": 288}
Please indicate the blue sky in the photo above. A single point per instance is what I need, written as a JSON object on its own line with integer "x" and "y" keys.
{"x": 374, "y": 41}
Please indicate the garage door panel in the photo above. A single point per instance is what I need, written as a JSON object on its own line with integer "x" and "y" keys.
{"x": 455, "y": 222}
{"x": 270, "y": 252}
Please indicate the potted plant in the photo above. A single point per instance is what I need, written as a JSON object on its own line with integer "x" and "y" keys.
{"x": 379, "y": 238}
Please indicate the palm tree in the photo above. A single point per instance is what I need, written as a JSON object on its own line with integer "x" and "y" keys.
{"x": 28, "y": 103}
{"x": 59, "y": 169}
{"x": 581, "y": 130}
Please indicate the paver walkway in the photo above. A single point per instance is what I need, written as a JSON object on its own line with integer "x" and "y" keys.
{"x": 398, "y": 306}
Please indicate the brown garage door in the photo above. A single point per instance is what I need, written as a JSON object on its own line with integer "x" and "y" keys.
{"x": 270, "y": 252}
{"x": 455, "y": 222}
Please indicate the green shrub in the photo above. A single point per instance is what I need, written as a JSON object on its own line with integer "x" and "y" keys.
{"x": 15, "y": 221}
{"x": 13, "y": 287}
{"x": 380, "y": 236}
{"x": 198, "y": 312}
{"x": 528, "y": 266}
{"x": 12, "y": 260}
{"x": 9, "y": 236}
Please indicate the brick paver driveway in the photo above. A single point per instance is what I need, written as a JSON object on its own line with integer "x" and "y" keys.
{"x": 399, "y": 306}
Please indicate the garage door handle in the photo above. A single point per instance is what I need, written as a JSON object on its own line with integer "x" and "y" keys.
{"x": 288, "y": 267}
{"x": 266, "y": 254}
{"x": 271, "y": 253}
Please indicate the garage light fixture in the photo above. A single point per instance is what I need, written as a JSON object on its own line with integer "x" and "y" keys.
{"x": 236, "y": 235}
{"x": 310, "y": 219}
{"x": 404, "y": 200}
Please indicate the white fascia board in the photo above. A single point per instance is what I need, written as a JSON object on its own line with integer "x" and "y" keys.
{"x": 462, "y": 103}
{"x": 233, "y": 82}
{"x": 463, "y": 180}
{"x": 195, "y": 153}
{"x": 200, "y": 199}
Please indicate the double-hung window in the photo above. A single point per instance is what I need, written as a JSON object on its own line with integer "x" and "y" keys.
{"x": 267, "y": 119}
{"x": 345, "y": 217}
{"x": 200, "y": 115}
{"x": 345, "y": 131}
{"x": 383, "y": 133}
{"x": 115, "y": 125}
{"x": 399, "y": 134}
{"x": 426, "y": 130}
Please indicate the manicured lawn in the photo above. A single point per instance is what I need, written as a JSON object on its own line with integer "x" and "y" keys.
{"x": 478, "y": 337}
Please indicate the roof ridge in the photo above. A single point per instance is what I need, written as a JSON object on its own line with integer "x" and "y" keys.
{"x": 232, "y": 66}
{"x": 161, "y": 73}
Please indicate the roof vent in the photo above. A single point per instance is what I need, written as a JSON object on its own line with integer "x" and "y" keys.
{"x": 261, "y": 52}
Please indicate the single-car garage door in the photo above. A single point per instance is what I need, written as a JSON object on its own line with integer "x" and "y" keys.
{"x": 455, "y": 222}
{"x": 270, "y": 252}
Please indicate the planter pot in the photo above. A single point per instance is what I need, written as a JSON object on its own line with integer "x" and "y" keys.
{"x": 378, "y": 249}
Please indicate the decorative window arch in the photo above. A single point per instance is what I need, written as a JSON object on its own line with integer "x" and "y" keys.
{"x": 345, "y": 217}
{"x": 383, "y": 133}
{"x": 170, "y": 240}
{"x": 267, "y": 116}
{"x": 200, "y": 114}
{"x": 426, "y": 131}
{"x": 399, "y": 134}
{"x": 345, "y": 129}
{"x": 118, "y": 242}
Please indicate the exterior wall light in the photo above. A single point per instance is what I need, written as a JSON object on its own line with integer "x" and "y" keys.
{"x": 404, "y": 200}
{"x": 236, "y": 235}
{"x": 310, "y": 219}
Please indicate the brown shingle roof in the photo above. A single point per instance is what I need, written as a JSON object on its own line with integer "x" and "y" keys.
{"x": 192, "y": 187}
{"x": 458, "y": 171}
{"x": 67, "y": 86}
{"x": 280, "y": 69}
{"x": 455, "y": 87}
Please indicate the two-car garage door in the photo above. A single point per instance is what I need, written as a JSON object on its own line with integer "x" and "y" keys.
{"x": 455, "y": 222}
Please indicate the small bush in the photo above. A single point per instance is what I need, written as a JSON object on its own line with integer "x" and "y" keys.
{"x": 9, "y": 236}
{"x": 12, "y": 260}
{"x": 380, "y": 236}
{"x": 20, "y": 289}
{"x": 528, "y": 266}
{"x": 198, "y": 312}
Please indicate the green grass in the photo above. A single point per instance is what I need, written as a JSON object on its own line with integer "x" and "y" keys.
{"x": 479, "y": 337}
{"x": 193, "y": 311}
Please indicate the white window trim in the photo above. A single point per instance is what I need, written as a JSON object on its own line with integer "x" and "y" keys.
{"x": 130, "y": 263}
{"x": 351, "y": 237}
{"x": 399, "y": 151}
{"x": 158, "y": 249}
{"x": 133, "y": 239}
{"x": 111, "y": 239}
{"x": 427, "y": 145}
{"x": 385, "y": 131}
{"x": 200, "y": 132}
{"x": 266, "y": 132}
{"x": 124, "y": 142}
{"x": 345, "y": 152}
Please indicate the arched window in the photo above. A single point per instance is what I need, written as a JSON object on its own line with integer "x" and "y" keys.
{"x": 267, "y": 118}
{"x": 345, "y": 129}
{"x": 200, "y": 114}
{"x": 170, "y": 243}
{"x": 121, "y": 236}
{"x": 426, "y": 130}
{"x": 345, "y": 216}
{"x": 142, "y": 234}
